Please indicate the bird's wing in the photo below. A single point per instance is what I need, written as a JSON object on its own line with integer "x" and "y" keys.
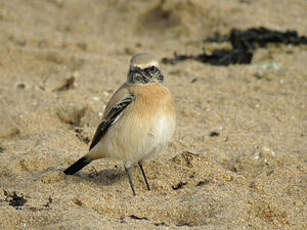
{"x": 111, "y": 116}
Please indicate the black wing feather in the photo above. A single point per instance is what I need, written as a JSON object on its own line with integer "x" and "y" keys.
{"x": 110, "y": 118}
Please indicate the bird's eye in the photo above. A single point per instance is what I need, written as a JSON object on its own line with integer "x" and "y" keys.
{"x": 152, "y": 69}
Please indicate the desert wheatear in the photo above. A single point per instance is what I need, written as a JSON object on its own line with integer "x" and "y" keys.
{"x": 138, "y": 121}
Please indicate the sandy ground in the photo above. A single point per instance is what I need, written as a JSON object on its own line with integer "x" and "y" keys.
{"x": 252, "y": 175}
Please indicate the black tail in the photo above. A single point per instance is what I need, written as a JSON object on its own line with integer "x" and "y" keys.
{"x": 75, "y": 167}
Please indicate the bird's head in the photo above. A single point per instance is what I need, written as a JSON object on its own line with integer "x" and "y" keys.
{"x": 144, "y": 68}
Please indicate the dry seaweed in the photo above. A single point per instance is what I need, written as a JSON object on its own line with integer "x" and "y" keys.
{"x": 14, "y": 200}
{"x": 179, "y": 185}
{"x": 138, "y": 218}
{"x": 243, "y": 43}
{"x": 68, "y": 84}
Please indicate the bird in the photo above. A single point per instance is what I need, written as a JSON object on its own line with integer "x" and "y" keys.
{"x": 138, "y": 121}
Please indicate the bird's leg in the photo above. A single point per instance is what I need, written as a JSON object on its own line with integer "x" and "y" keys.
{"x": 130, "y": 180}
{"x": 143, "y": 172}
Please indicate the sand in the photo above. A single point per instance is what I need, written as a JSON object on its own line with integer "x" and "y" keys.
{"x": 250, "y": 175}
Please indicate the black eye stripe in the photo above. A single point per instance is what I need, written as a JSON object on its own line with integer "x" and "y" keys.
{"x": 146, "y": 75}
{"x": 151, "y": 69}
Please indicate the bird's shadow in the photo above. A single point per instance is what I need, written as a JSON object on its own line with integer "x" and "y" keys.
{"x": 104, "y": 177}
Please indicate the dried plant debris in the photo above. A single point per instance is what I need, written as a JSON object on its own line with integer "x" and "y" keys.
{"x": 248, "y": 39}
{"x": 138, "y": 218}
{"x": 214, "y": 134}
{"x": 14, "y": 200}
{"x": 243, "y": 43}
{"x": 219, "y": 57}
{"x": 161, "y": 224}
{"x": 68, "y": 84}
{"x": 179, "y": 185}
{"x": 258, "y": 36}
{"x": 202, "y": 183}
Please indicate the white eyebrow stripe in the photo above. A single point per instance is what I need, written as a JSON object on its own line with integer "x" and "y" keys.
{"x": 145, "y": 65}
